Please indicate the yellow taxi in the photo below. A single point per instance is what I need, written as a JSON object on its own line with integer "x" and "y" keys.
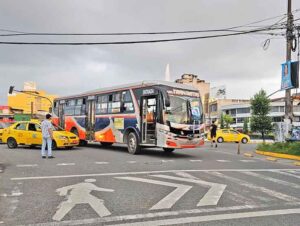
{"x": 230, "y": 135}
{"x": 3, "y": 125}
{"x": 30, "y": 133}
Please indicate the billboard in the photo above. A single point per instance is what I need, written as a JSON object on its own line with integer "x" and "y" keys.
{"x": 218, "y": 92}
{"x": 289, "y": 75}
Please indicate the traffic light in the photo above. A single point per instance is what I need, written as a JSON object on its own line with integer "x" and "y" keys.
{"x": 11, "y": 89}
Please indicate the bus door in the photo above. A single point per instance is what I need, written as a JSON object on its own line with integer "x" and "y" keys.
{"x": 148, "y": 119}
{"x": 90, "y": 118}
{"x": 61, "y": 113}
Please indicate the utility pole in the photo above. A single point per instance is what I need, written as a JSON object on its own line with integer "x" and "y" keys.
{"x": 289, "y": 37}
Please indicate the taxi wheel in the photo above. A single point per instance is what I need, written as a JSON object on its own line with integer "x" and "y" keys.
{"x": 169, "y": 150}
{"x": 220, "y": 140}
{"x": 54, "y": 145}
{"x": 244, "y": 140}
{"x": 133, "y": 144}
{"x": 12, "y": 143}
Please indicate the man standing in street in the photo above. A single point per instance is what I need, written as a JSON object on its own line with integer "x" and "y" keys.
{"x": 213, "y": 134}
{"x": 47, "y": 132}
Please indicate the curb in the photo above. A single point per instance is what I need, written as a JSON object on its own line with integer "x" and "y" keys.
{"x": 278, "y": 155}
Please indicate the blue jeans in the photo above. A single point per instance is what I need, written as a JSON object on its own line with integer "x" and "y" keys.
{"x": 48, "y": 141}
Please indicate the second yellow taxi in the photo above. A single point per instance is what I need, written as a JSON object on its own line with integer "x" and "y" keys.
{"x": 230, "y": 135}
{"x": 29, "y": 133}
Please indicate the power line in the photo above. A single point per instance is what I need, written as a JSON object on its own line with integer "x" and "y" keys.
{"x": 137, "y": 42}
{"x": 23, "y": 33}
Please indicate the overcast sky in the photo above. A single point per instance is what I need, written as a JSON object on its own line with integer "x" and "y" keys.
{"x": 239, "y": 62}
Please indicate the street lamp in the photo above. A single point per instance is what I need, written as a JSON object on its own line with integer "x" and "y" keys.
{"x": 12, "y": 89}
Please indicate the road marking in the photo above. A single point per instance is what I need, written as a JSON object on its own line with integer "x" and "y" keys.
{"x": 167, "y": 160}
{"x": 216, "y": 217}
{"x": 1, "y": 222}
{"x": 65, "y": 164}
{"x": 196, "y": 160}
{"x": 27, "y": 165}
{"x": 168, "y": 201}
{"x": 186, "y": 175}
{"x": 211, "y": 197}
{"x": 267, "y": 191}
{"x": 148, "y": 215}
{"x": 223, "y": 160}
{"x": 13, "y": 194}
{"x": 131, "y": 162}
{"x": 288, "y": 174}
{"x": 144, "y": 172}
{"x": 247, "y": 160}
{"x": 80, "y": 194}
{"x": 282, "y": 182}
{"x": 101, "y": 163}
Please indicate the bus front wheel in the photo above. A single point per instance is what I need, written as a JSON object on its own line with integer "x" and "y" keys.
{"x": 133, "y": 144}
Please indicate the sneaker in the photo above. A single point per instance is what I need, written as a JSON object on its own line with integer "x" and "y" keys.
{"x": 43, "y": 157}
{"x": 51, "y": 157}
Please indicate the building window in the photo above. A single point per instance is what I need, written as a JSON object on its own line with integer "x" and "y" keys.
{"x": 277, "y": 109}
{"x": 243, "y": 110}
{"x": 213, "y": 108}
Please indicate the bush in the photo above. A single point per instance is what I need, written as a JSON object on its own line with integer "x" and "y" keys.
{"x": 283, "y": 148}
{"x": 258, "y": 136}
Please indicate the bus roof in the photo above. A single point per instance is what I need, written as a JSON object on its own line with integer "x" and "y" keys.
{"x": 131, "y": 85}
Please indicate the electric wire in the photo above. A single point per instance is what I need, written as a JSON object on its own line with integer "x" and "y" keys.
{"x": 134, "y": 42}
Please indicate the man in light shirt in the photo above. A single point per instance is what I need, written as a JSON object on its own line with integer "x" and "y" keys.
{"x": 47, "y": 132}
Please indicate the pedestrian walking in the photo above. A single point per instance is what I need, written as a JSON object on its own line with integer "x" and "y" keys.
{"x": 47, "y": 133}
{"x": 213, "y": 134}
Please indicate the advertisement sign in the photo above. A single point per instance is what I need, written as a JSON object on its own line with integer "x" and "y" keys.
{"x": 289, "y": 75}
{"x": 286, "y": 78}
{"x": 218, "y": 92}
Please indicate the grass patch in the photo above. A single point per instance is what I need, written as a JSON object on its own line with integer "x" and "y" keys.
{"x": 290, "y": 148}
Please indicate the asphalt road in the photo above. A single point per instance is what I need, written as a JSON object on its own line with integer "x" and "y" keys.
{"x": 107, "y": 186}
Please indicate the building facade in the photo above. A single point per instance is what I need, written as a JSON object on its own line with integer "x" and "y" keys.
{"x": 30, "y": 100}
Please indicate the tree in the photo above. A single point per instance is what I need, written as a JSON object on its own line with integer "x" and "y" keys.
{"x": 245, "y": 126}
{"x": 260, "y": 108}
{"x": 222, "y": 121}
{"x": 227, "y": 120}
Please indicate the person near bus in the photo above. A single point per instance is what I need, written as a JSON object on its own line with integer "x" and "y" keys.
{"x": 213, "y": 134}
{"x": 47, "y": 132}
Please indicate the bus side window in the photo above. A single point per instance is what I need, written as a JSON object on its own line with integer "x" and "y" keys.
{"x": 127, "y": 104}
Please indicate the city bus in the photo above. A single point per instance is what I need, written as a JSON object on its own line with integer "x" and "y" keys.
{"x": 146, "y": 114}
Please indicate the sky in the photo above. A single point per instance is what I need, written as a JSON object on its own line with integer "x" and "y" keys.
{"x": 238, "y": 62}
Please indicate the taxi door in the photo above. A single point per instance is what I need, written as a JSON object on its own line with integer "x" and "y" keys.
{"x": 20, "y": 133}
{"x": 234, "y": 136}
{"x": 225, "y": 134}
{"x": 34, "y": 134}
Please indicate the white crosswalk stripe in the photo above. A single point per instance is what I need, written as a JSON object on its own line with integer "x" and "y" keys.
{"x": 272, "y": 193}
{"x": 196, "y": 160}
{"x": 223, "y": 160}
{"x": 277, "y": 181}
{"x": 288, "y": 174}
{"x": 101, "y": 163}
{"x": 247, "y": 160}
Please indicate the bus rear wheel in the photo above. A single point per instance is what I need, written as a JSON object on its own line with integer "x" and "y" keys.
{"x": 133, "y": 144}
{"x": 169, "y": 150}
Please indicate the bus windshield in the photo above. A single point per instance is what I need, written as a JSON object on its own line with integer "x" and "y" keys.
{"x": 184, "y": 110}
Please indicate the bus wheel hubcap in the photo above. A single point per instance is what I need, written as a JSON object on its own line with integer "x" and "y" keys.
{"x": 132, "y": 143}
